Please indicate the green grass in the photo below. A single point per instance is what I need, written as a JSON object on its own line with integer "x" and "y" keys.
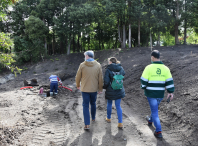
{"x": 56, "y": 59}
{"x": 34, "y": 72}
{"x": 46, "y": 70}
{"x": 97, "y": 59}
{"x": 56, "y": 69}
{"x": 52, "y": 60}
{"x": 25, "y": 68}
{"x": 65, "y": 68}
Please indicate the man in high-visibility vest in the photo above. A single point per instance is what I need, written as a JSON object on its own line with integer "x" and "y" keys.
{"x": 154, "y": 80}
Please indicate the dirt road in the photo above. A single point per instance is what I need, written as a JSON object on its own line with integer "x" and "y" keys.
{"x": 28, "y": 119}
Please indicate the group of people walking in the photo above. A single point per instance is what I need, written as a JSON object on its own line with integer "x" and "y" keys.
{"x": 154, "y": 80}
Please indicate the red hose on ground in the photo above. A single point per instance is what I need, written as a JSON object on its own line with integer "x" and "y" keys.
{"x": 26, "y": 87}
{"x": 65, "y": 88}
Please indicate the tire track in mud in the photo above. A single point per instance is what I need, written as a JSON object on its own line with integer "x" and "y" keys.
{"x": 50, "y": 133}
{"x": 61, "y": 122}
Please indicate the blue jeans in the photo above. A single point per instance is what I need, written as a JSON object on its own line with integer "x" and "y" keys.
{"x": 154, "y": 117}
{"x": 53, "y": 86}
{"x": 118, "y": 108}
{"x": 89, "y": 97}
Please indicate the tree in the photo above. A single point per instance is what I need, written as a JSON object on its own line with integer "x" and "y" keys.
{"x": 6, "y": 60}
{"x": 36, "y": 31}
{"x": 177, "y": 22}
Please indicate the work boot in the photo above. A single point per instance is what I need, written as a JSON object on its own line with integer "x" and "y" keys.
{"x": 148, "y": 118}
{"x": 120, "y": 125}
{"x": 158, "y": 134}
{"x": 108, "y": 120}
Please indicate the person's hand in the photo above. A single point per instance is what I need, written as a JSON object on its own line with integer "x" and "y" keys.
{"x": 99, "y": 92}
{"x": 78, "y": 88}
{"x": 170, "y": 94}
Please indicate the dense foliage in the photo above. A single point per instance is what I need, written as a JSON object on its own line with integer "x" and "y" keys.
{"x": 6, "y": 56}
{"x": 45, "y": 27}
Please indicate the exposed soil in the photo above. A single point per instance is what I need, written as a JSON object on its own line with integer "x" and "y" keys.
{"x": 31, "y": 120}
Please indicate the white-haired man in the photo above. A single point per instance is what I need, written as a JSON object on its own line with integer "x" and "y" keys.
{"x": 90, "y": 76}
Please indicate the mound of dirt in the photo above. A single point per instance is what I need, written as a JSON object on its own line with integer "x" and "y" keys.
{"x": 59, "y": 120}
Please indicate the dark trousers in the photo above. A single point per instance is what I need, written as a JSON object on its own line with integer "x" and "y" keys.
{"x": 54, "y": 86}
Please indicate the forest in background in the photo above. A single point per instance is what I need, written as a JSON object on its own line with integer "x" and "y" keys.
{"x": 31, "y": 30}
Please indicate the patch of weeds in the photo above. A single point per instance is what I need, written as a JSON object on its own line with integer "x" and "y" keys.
{"x": 25, "y": 71}
{"x": 56, "y": 59}
{"x": 121, "y": 51}
{"x": 117, "y": 53}
{"x": 25, "y": 68}
{"x": 34, "y": 72}
{"x": 52, "y": 60}
{"x": 56, "y": 69}
{"x": 46, "y": 70}
{"x": 97, "y": 59}
{"x": 127, "y": 49}
{"x": 65, "y": 68}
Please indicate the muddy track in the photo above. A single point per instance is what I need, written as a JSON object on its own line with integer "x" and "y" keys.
{"x": 31, "y": 120}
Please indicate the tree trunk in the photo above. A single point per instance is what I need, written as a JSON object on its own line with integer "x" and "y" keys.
{"x": 185, "y": 25}
{"x": 176, "y": 24}
{"x": 61, "y": 47}
{"x": 88, "y": 42}
{"x": 68, "y": 49}
{"x": 45, "y": 40}
{"x": 48, "y": 48}
{"x": 81, "y": 46}
{"x": 147, "y": 41}
{"x": 99, "y": 37}
{"x": 139, "y": 33}
{"x": 66, "y": 43}
{"x": 45, "y": 45}
{"x": 74, "y": 49}
{"x": 150, "y": 39}
{"x": 158, "y": 40}
{"x": 129, "y": 8}
{"x": 78, "y": 48}
{"x": 124, "y": 37}
{"x": 102, "y": 45}
{"x": 129, "y": 35}
{"x": 119, "y": 36}
{"x": 53, "y": 43}
{"x": 116, "y": 42}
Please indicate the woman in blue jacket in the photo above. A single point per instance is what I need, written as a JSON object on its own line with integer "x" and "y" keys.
{"x": 111, "y": 94}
